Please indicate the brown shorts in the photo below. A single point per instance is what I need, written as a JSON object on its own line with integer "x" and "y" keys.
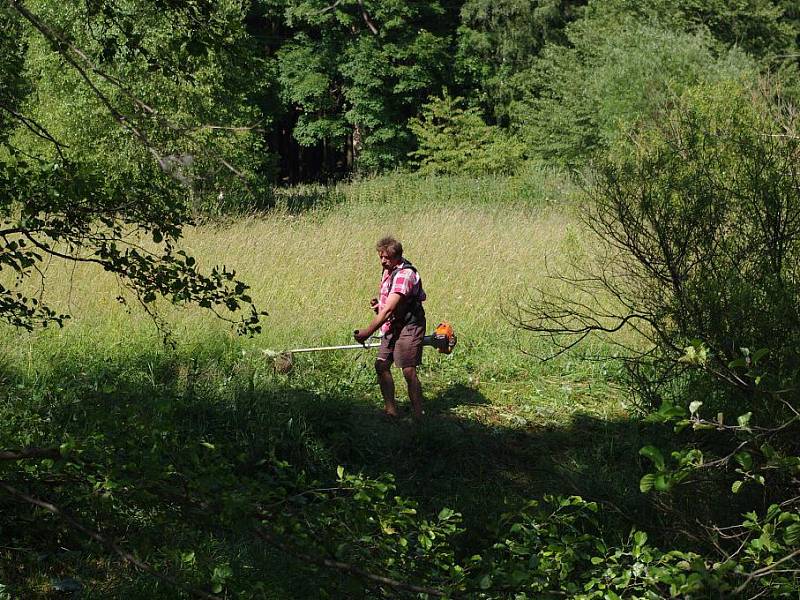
{"x": 405, "y": 349}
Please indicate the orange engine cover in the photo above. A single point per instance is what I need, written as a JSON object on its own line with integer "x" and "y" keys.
{"x": 444, "y": 337}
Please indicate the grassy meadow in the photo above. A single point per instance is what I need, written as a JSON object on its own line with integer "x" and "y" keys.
{"x": 501, "y": 426}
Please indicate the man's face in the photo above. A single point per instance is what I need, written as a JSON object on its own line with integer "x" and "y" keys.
{"x": 387, "y": 262}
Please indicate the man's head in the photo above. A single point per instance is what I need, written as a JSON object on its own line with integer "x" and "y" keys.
{"x": 390, "y": 252}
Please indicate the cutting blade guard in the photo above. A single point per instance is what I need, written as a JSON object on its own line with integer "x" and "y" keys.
{"x": 443, "y": 338}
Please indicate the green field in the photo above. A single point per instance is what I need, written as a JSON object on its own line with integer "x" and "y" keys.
{"x": 502, "y": 427}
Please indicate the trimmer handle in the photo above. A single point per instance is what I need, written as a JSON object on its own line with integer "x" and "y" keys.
{"x": 364, "y": 343}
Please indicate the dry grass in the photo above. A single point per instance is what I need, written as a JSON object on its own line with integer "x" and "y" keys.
{"x": 315, "y": 270}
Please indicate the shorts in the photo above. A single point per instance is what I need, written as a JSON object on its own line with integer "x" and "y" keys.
{"x": 405, "y": 349}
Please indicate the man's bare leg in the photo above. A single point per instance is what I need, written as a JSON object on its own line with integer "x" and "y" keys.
{"x": 414, "y": 391}
{"x": 386, "y": 383}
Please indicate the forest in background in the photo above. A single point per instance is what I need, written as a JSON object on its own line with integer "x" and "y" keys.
{"x": 621, "y": 181}
{"x": 292, "y": 91}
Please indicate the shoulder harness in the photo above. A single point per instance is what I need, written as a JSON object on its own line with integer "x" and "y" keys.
{"x": 414, "y": 311}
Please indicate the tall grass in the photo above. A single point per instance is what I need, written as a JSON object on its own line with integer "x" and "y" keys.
{"x": 475, "y": 242}
{"x": 479, "y": 244}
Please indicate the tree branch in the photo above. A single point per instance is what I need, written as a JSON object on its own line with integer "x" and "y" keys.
{"x": 329, "y": 8}
{"x": 366, "y": 18}
{"x": 763, "y": 571}
{"x": 36, "y": 128}
{"x": 31, "y": 453}
{"x": 352, "y": 569}
{"x": 108, "y": 543}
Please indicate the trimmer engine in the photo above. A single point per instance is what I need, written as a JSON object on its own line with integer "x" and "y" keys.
{"x": 443, "y": 338}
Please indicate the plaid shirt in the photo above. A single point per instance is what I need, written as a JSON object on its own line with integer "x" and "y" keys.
{"x": 407, "y": 283}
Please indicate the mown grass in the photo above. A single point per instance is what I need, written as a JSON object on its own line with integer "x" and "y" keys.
{"x": 502, "y": 426}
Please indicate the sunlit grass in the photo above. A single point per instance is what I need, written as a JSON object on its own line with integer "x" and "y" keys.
{"x": 480, "y": 246}
{"x": 315, "y": 270}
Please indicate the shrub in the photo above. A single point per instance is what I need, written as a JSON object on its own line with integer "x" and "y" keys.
{"x": 585, "y": 98}
{"x": 454, "y": 140}
{"x": 700, "y": 229}
{"x": 699, "y": 225}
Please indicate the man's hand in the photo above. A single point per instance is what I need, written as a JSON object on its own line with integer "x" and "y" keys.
{"x": 373, "y": 304}
{"x": 361, "y": 335}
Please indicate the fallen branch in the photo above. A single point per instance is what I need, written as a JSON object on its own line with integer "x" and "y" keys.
{"x": 110, "y": 544}
{"x": 352, "y": 569}
{"x": 29, "y": 453}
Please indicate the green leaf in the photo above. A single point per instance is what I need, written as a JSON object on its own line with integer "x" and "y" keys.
{"x": 768, "y": 451}
{"x": 701, "y": 426}
{"x": 792, "y": 534}
{"x": 662, "y": 483}
{"x": 639, "y": 538}
{"x": 445, "y": 514}
{"x": 340, "y": 471}
{"x": 744, "y": 420}
{"x": 486, "y": 582}
{"x": 668, "y": 411}
{"x": 654, "y": 454}
{"x": 693, "y": 406}
{"x": 646, "y": 483}
{"x": 737, "y": 485}
{"x": 745, "y": 460}
{"x": 681, "y": 425}
{"x": 772, "y": 512}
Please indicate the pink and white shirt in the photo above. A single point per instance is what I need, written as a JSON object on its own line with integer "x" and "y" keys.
{"x": 407, "y": 283}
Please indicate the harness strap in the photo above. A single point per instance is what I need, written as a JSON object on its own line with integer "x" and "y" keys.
{"x": 415, "y": 312}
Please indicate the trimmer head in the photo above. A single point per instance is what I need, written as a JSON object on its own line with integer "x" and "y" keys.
{"x": 284, "y": 362}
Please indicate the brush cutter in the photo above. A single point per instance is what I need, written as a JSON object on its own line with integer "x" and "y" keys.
{"x": 443, "y": 339}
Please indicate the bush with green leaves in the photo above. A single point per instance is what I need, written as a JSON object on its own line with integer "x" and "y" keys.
{"x": 185, "y": 82}
{"x": 699, "y": 228}
{"x": 455, "y": 140}
{"x": 582, "y": 99}
{"x": 698, "y": 223}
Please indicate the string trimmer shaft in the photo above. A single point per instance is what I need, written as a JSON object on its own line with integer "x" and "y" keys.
{"x": 443, "y": 339}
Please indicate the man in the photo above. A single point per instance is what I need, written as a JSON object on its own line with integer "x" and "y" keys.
{"x": 400, "y": 316}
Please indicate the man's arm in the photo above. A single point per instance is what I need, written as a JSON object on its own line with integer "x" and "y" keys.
{"x": 387, "y": 311}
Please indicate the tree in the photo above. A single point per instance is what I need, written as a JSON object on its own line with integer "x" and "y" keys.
{"x": 57, "y": 200}
{"x": 192, "y": 80}
{"x": 614, "y": 64}
{"x": 583, "y": 99}
{"x": 456, "y": 141}
{"x": 355, "y": 71}
{"x": 498, "y": 42}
